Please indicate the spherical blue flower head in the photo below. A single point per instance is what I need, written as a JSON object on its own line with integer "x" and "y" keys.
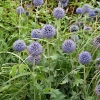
{"x": 86, "y": 8}
{"x": 97, "y": 10}
{"x": 36, "y": 33}
{"x": 38, "y": 2}
{"x": 63, "y": 3}
{"x": 96, "y": 42}
{"x": 68, "y": 46}
{"x": 34, "y": 59}
{"x": 20, "y": 10}
{"x": 97, "y": 90}
{"x": 97, "y": 62}
{"x": 79, "y": 10}
{"x": 87, "y": 28}
{"x": 92, "y": 13}
{"x": 19, "y": 45}
{"x": 75, "y": 37}
{"x": 84, "y": 57}
{"x": 74, "y": 28}
{"x": 35, "y": 48}
{"x": 27, "y": 13}
{"x": 58, "y": 12}
{"x": 48, "y": 31}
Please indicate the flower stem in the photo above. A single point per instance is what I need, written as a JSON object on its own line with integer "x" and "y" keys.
{"x": 48, "y": 63}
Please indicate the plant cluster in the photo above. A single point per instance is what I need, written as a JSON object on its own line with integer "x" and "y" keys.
{"x": 50, "y": 54}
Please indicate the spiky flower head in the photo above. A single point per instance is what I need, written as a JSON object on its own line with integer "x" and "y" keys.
{"x": 19, "y": 45}
{"x": 36, "y": 33}
{"x": 87, "y": 28}
{"x": 68, "y": 46}
{"x": 97, "y": 90}
{"x": 20, "y": 10}
{"x": 48, "y": 31}
{"x": 27, "y": 13}
{"x": 74, "y": 28}
{"x": 35, "y": 48}
{"x": 75, "y": 37}
{"x": 84, "y": 57}
{"x": 97, "y": 62}
{"x": 79, "y": 10}
{"x": 34, "y": 59}
{"x": 38, "y": 2}
{"x": 96, "y": 42}
{"x": 86, "y": 8}
{"x": 92, "y": 13}
{"x": 63, "y": 3}
{"x": 97, "y": 10}
{"x": 58, "y": 12}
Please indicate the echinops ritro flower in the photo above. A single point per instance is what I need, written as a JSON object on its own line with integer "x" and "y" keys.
{"x": 84, "y": 57}
{"x": 19, "y": 45}
{"x": 97, "y": 90}
{"x": 38, "y": 2}
{"x": 63, "y": 3}
{"x": 48, "y": 31}
{"x": 96, "y": 42}
{"x": 87, "y": 28}
{"x": 74, "y": 28}
{"x": 79, "y": 10}
{"x": 86, "y": 8}
{"x": 68, "y": 46}
{"x": 58, "y": 12}
{"x": 20, "y": 10}
{"x": 34, "y": 59}
{"x": 35, "y": 48}
{"x": 36, "y": 33}
{"x": 97, "y": 62}
{"x": 92, "y": 13}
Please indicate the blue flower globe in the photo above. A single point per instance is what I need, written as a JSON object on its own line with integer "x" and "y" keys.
{"x": 68, "y": 46}
{"x": 84, "y": 57}
{"x": 19, "y": 45}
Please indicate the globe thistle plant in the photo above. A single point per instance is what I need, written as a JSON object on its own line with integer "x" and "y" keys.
{"x": 86, "y": 8}
{"x": 96, "y": 42}
{"x": 63, "y": 3}
{"x": 97, "y": 62}
{"x": 87, "y": 28}
{"x": 92, "y": 13}
{"x": 97, "y": 10}
{"x": 84, "y": 57}
{"x": 74, "y": 28}
{"x": 58, "y": 12}
{"x": 38, "y": 2}
{"x": 97, "y": 90}
{"x": 48, "y": 31}
{"x": 19, "y": 45}
{"x": 20, "y": 10}
{"x": 68, "y": 46}
{"x": 79, "y": 10}
{"x": 27, "y": 13}
{"x": 36, "y": 33}
{"x": 35, "y": 48}
{"x": 34, "y": 59}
